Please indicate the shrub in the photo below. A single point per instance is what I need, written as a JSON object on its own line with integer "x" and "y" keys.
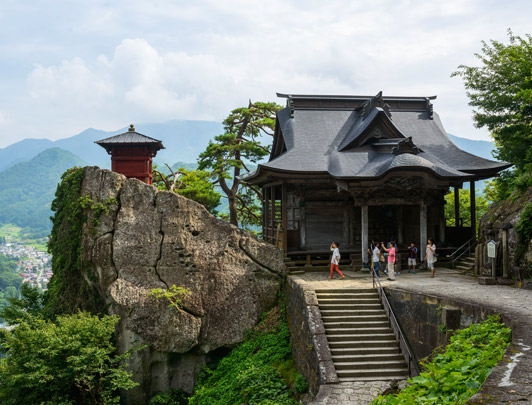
{"x": 173, "y": 397}
{"x": 301, "y": 384}
{"x": 71, "y": 361}
{"x": 524, "y": 226}
{"x": 456, "y": 375}
{"x": 250, "y": 374}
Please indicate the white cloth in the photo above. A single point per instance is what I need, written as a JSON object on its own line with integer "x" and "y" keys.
{"x": 411, "y": 262}
{"x": 391, "y": 271}
{"x": 431, "y": 258}
{"x": 376, "y": 254}
{"x": 335, "y": 259}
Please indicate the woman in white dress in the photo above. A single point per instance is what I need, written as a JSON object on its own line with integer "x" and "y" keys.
{"x": 431, "y": 255}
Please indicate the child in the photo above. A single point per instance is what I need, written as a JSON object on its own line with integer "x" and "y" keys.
{"x": 335, "y": 260}
{"x": 376, "y": 259}
{"x": 412, "y": 255}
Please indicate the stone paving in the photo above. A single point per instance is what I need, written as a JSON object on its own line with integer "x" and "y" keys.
{"x": 510, "y": 381}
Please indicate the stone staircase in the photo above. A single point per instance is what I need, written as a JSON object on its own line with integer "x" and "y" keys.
{"x": 466, "y": 264}
{"x": 361, "y": 341}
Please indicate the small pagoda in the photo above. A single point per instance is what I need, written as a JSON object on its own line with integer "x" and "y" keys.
{"x": 132, "y": 154}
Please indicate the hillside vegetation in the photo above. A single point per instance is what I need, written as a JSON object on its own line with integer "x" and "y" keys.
{"x": 27, "y": 189}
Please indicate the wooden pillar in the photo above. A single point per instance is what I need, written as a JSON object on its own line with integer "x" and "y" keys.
{"x": 422, "y": 229}
{"x": 272, "y": 214}
{"x": 364, "y": 233}
{"x": 456, "y": 206}
{"x": 265, "y": 209}
{"x": 302, "y": 220}
{"x": 284, "y": 218}
{"x": 472, "y": 204}
{"x": 346, "y": 225}
{"x": 399, "y": 217}
{"x": 443, "y": 224}
{"x": 505, "y": 256}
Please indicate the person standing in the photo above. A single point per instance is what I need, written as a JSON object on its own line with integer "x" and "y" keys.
{"x": 391, "y": 260}
{"x": 335, "y": 259}
{"x": 376, "y": 256}
{"x": 431, "y": 255}
{"x": 370, "y": 251}
{"x": 412, "y": 256}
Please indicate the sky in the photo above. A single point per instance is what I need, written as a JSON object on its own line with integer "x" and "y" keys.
{"x": 69, "y": 65}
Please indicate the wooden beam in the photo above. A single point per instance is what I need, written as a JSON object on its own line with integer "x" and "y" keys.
{"x": 472, "y": 205}
{"x": 364, "y": 233}
{"x": 284, "y": 218}
{"x": 422, "y": 229}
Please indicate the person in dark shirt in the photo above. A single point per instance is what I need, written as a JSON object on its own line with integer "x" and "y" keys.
{"x": 412, "y": 256}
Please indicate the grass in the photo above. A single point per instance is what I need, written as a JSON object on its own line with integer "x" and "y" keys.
{"x": 17, "y": 234}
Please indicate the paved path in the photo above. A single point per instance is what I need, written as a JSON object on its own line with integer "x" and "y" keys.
{"x": 510, "y": 381}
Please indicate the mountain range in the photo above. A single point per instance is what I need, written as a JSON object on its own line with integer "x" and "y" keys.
{"x": 30, "y": 169}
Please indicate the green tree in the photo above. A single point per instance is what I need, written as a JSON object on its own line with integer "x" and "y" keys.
{"x": 464, "y": 200}
{"x": 500, "y": 90}
{"x": 192, "y": 184}
{"x": 69, "y": 361}
{"x": 227, "y": 156}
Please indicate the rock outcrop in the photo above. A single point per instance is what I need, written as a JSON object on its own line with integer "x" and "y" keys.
{"x": 502, "y": 218}
{"x": 148, "y": 239}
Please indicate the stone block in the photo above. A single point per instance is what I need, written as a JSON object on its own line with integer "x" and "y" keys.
{"x": 487, "y": 281}
{"x": 327, "y": 373}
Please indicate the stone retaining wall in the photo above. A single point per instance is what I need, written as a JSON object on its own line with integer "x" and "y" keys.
{"x": 310, "y": 348}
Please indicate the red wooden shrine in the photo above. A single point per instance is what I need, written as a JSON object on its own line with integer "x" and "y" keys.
{"x": 132, "y": 154}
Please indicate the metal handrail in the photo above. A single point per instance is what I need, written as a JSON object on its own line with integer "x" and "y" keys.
{"x": 413, "y": 367}
{"x": 466, "y": 247}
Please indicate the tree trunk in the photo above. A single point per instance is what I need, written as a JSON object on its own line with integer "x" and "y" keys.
{"x": 233, "y": 214}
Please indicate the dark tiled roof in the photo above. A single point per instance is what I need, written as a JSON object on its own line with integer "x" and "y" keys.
{"x": 131, "y": 137}
{"x": 332, "y": 141}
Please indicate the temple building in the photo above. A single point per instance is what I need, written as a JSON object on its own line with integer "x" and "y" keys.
{"x": 356, "y": 168}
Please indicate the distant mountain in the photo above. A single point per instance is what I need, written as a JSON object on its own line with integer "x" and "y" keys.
{"x": 184, "y": 141}
{"x": 27, "y": 189}
{"x": 480, "y": 148}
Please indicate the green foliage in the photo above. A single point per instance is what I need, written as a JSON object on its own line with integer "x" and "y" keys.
{"x": 192, "y": 184}
{"x": 173, "y": 397}
{"x": 454, "y": 376}
{"x": 26, "y": 189}
{"x": 71, "y": 361}
{"x": 27, "y": 306}
{"x": 249, "y": 374}
{"x": 228, "y": 155}
{"x": 174, "y": 295}
{"x": 98, "y": 208}
{"x": 500, "y": 90}
{"x": 67, "y": 291}
{"x": 301, "y": 384}
{"x": 464, "y": 200}
{"x": 524, "y": 226}
{"x": 10, "y": 281}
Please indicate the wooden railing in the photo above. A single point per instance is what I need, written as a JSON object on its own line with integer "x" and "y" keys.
{"x": 406, "y": 350}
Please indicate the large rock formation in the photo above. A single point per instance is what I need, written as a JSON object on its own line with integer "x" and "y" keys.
{"x": 502, "y": 218}
{"x": 156, "y": 239}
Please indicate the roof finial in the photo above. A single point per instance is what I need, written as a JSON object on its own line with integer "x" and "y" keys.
{"x": 131, "y": 128}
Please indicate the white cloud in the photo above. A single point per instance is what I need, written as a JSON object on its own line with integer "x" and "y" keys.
{"x": 103, "y": 64}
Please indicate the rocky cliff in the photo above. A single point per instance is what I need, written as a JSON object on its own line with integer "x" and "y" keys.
{"x": 145, "y": 239}
{"x": 502, "y": 218}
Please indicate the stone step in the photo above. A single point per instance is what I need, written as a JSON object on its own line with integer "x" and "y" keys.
{"x": 351, "y": 312}
{"x": 366, "y": 351}
{"x": 373, "y": 378}
{"x": 399, "y": 372}
{"x": 361, "y": 344}
{"x": 347, "y": 295}
{"x": 397, "y": 356}
{"x": 361, "y": 337}
{"x": 347, "y": 317}
{"x": 370, "y": 365}
{"x": 349, "y": 300}
{"x": 358, "y": 331}
{"x": 464, "y": 267}
{"x": 357, "y": 325}
{"x": 350, "y": 307}
{"x": 346, "y": 290}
